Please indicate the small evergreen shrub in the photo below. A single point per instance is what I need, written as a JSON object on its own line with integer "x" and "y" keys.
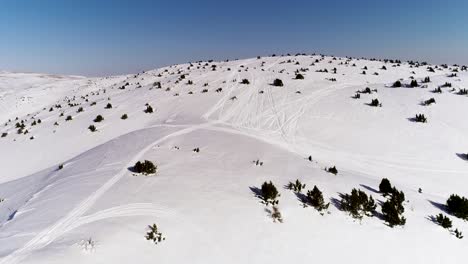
{"x": 80, "y": 110}
{"x": 296, "y": 186}
{"x": 458, "y": 234}
{"x": 269, "y": 193}
{"x": 443, "y": 221}
{"x": 463, "y": 91}
{"x": 69, "y": 118}
{"x": 4, "y": 134}
{"x": 385, "y": 187}
{"x": 108, "y": 106}
{"x": 414, "y": 83}
{"x": 149, "y": 109}
{"x": 245, "y": 81}
{"x": 299, "y": 76}
{"x": 146, "y": 167}
{"x": 458, "y": 206}
{"x": 92, "y": 128}
{"x": 358, "y": 204}
{"x": 154, "y": 234}
{"x": 60, "y": 166}
{"x": 429, "y": 101}
{"x": 278, "y": 82}
{"x": 396, "y": 84}
{"x": 98, "y": 118}
{"x": 437, "y": 90}
{"x": 420, "y": 118}
{"x": 332, "y": 170}
{"x": 367, "y": 90}
{"x": 375, "y": 103}
{"x": 393, "y": 209}
{"x": 315, "y": 199}
{"x": 124, "y": 116}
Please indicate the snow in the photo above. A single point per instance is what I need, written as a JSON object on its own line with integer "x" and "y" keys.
{"x": 95, "y": 210}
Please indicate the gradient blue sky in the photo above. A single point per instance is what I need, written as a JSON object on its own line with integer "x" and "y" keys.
{"x": 102, "y": 37}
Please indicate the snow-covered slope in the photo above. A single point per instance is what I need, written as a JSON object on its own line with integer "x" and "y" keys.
{"x": 204, "y": 202}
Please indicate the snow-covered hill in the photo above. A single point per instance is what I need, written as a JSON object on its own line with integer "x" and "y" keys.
{"x": 204, "y": 202}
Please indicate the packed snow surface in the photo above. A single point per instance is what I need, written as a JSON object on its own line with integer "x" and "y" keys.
{"x": 70, "y": 195}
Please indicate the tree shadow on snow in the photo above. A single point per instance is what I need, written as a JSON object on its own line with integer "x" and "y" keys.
{"x": 337, "y": 202}
{"x": 256, "y": 191}
{"x": 432, "y": 219}
{"x": 369, "y": 188}
{"x": 440, "y": 206}
{"x": 463, "y": 156}
{"x": 301, "y": 197}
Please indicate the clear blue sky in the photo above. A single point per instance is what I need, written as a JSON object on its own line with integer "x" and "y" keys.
{"x": 101, "y": 37}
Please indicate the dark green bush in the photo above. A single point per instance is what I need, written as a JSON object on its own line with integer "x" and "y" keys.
{"x": 385, "y": 187}
{"x": 277, "y": 82}
{"x": 154, "y": 235}
{"x": 358, "y": 204}
{"x": 429, "y": 101}
{"x": 375, "y": 102}
{"x": 396, "y": 84}
{"x": 146, "y": 167}
{"x": 299, "y": 76}
{"x": 269, "y": 193}
{"x": 393, "y": 209}
{"x": 98, "y": 119}
{"x": 315, "y": 199}
{"x": 458, "y": 206}
{"x": 149, "y": 109}
{"x": 443, "y": 221}
{"x": 332, "y": 170}
{"x": 296, "y": 186}
{"x": 420, "y": 118}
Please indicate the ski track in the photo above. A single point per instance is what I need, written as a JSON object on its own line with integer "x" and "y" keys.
{"x": 66, "y": 223}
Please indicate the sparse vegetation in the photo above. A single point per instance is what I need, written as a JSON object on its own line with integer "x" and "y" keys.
{"x": 420, "y": 118}
{"x": 429, "y": 101}
{"x": 154, "y": 234}
{"x": 296, "y": 186}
